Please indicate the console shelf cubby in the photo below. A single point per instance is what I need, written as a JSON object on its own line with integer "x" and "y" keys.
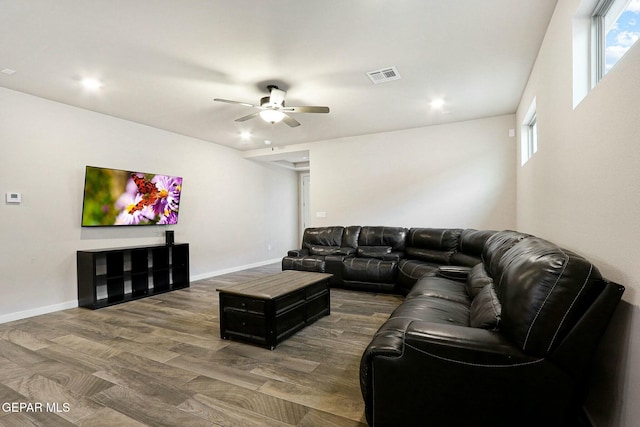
{"x": 117, "y": 275}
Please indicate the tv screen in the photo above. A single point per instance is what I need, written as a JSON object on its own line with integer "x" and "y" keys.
{"x": 119, "y": 197}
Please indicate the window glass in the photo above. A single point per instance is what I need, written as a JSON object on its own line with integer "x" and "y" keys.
{"x": 533, "y": 136}
{"x": 529, "y": 134}
{"x": 619, "y": 29}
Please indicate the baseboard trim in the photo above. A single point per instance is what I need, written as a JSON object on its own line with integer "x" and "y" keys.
{"x": 233, "y": 269}
{"x": 19, "y": 315}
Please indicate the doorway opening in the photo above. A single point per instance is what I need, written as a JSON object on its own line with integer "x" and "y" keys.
{"x": 305, "y": 208}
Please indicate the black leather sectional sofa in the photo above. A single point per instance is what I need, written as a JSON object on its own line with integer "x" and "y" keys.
{"x": 384, "y": 259}
{"x": 497, "y": 328}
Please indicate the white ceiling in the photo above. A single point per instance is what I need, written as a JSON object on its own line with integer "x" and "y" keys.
{"x": 162, "y": 62}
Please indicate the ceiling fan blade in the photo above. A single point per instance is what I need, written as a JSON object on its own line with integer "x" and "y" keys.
{"x": 290, "y": 121}
{"x": 306, "y": 109}
{"x": 228, "y": 101}
{"x": 245, "y": 118}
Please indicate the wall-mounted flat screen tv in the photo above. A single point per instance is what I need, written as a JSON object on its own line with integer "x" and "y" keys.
{"x": 119, "y": 197}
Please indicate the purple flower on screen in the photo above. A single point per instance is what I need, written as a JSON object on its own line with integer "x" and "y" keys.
{"x": 131, "y": 187}
{"x": 130, "y": 213}
{"x": 170, "y": 217}
{"x": 168, "y": 197}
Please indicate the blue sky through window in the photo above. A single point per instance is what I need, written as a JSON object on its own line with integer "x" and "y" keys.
{"x": 624, "y": 33}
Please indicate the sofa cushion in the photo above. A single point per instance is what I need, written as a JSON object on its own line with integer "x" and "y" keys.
{"x": 429, "y": 255}
{"x": 430, "y": 309}
{"x": 369, "y": 270}
{"x": 440, "y": 239}
{"x": 383, "y": 236}
{"x": 472, "y": 241}
{"x": 322, "y": 236}
{"x": 439, "y": 287}
{"x": 323, "y": 250}
{"x": 409, "y": 271}
{"x": 477, "y": 280}
{"x": 485, "y": 309}
{"x": 544, "y": 290}
{"x": 495, "y": 248}
{"x": 350, "y": 236}
{"x": 458, "y": 258}
{"x": 373, "y": 251}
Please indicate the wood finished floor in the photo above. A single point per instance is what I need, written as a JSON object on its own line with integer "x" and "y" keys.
{"x": 160, "y": 361}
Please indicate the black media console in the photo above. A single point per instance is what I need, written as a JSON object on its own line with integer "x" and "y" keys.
{"x": 113, "y": 276}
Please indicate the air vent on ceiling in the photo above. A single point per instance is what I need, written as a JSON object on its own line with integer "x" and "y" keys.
{"x": 384, "y": 75}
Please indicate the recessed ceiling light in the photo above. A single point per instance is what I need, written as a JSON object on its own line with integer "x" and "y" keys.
{"x": 8, "y": 71}
{"x": 267, "y": 141}
{"x": 437, "y": 103}
{"x": 245, "y": 135}
{"x": 91, "y": 84}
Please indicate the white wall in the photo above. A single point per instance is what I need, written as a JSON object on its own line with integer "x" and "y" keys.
{"x": 581, "y": 190}
{"x": 231, "y": 208}
{"x": 453, "y": 175}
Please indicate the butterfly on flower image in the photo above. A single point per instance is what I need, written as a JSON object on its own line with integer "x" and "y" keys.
{"x": 155, "y": 200}
{"x": 118, "y": 197}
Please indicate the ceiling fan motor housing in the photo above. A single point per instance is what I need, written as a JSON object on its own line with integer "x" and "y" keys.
{"x": 276, "y": 96}
{"x": 266, "y": 102}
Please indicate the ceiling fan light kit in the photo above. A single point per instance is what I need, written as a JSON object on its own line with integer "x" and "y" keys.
{"x": 272, "y": 116}
{"x": 273, "y": 110}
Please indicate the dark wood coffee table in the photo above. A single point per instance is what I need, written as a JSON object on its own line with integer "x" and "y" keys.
{"x": 268, "y": 310}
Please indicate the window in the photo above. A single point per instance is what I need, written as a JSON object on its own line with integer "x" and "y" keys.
{"x": 532, "y": 128}
{"x": 603, "y": 30}
{"x": 615, "y": 28}
{"x": 529, "y": 134}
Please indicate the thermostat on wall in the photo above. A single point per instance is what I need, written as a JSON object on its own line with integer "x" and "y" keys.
{"x": 14, "y": 197}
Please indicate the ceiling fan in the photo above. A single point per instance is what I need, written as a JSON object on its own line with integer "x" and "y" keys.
{"x": 273, "y": 110}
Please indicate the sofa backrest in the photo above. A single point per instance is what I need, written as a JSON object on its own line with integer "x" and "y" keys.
{"x": 378, "y": 241}
{"x": 383, "y": 236}
{"x": 350, "y": 236}
{"x": 544, "y": 289}
{"x": 470, "y": 247}
{"x": 435, "y": 245}
{"x": 496, "y": 246}
{"x": 322, "y": 240}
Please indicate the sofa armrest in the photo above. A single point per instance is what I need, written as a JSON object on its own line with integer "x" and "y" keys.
{"x": 298, "y": 252}
{"x": 346, "y": 251}
{"x": 393, "y": 256}
{"x": 454, "y": 272}
{"x": 455, "y": 375}
{"x": 461, "y": 344}
{"x": 333, "y": 265}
